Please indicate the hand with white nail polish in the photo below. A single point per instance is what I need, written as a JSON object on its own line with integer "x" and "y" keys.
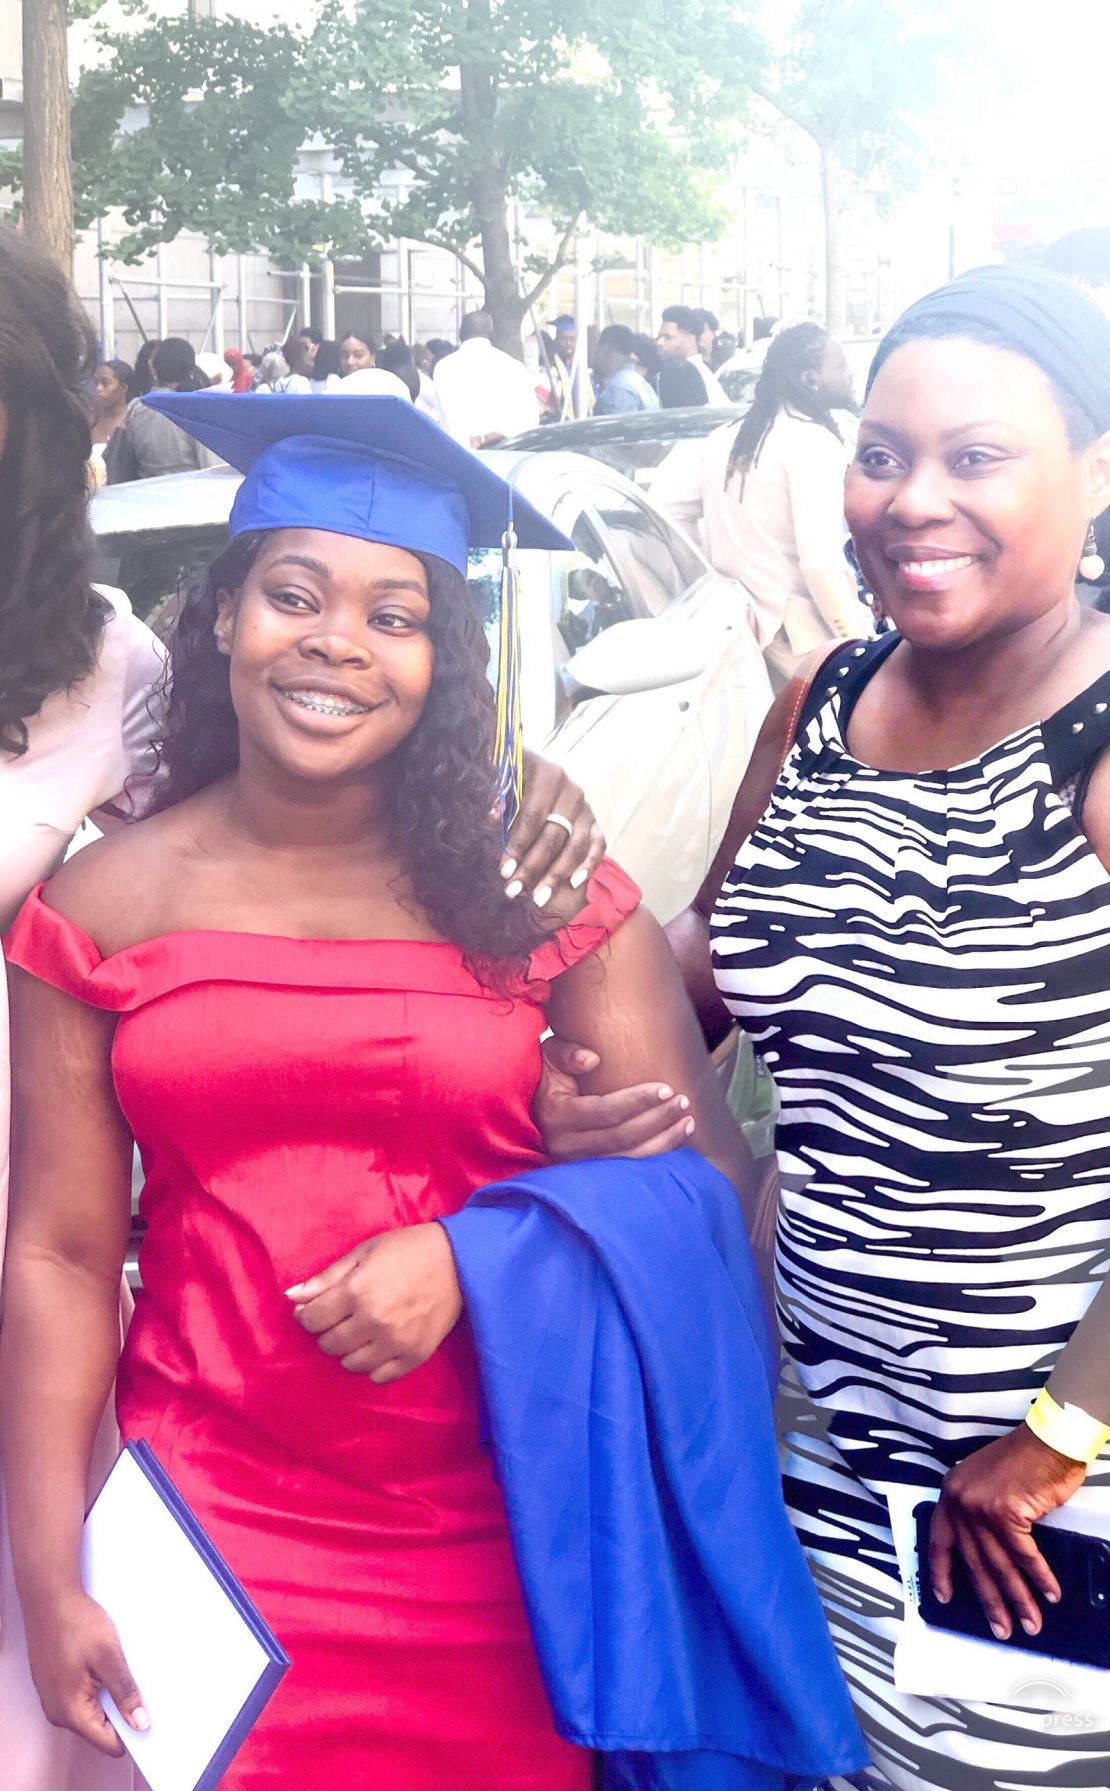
{"x": 540, "y": 852}
{"x": 644, "y": 1121}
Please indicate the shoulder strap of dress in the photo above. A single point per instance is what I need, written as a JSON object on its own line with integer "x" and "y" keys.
{"x": 611, "y": 896}
{"x": 51, "y": 948}
{"x": 771, "y": 750}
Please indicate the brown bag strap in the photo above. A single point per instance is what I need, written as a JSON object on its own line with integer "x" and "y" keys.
{"x": 772, "y": 748}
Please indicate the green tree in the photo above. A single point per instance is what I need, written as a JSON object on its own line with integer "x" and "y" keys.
{"x": 863, "y": 79}
{"x": 622, "y": 111}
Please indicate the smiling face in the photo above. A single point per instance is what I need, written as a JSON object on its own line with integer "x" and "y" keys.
{"x": 354, "y": 355}
{"x": 331, "y": 660}
{"x": 967, "y": 502}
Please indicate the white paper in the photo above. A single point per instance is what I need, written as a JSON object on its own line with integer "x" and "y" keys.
{"x": 191, "y": 1653}
{"x": 937, "y": 1663}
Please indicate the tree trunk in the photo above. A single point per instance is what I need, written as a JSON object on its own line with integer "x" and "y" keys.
{"x": 478, "y": 104}
{"x": 47, "y": 167}
{"x": 504, "y": 300}
{"x": 836, "y": 316}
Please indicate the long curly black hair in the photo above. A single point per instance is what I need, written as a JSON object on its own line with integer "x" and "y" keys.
{"x": 442, "y": 795}
{"x": 51, "y": 619}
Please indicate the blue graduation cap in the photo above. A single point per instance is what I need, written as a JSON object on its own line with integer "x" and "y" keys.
{"x": 380, "y": 470}
{"x": 372, "y": 467}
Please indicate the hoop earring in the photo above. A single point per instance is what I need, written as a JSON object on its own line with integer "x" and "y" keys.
{"x": 1092, "y": 565}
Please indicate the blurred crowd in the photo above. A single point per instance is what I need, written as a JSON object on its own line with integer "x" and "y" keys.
{"x": 479, "y": 393}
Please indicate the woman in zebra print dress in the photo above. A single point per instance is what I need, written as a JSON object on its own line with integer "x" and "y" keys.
{"x": 917, "y": 937}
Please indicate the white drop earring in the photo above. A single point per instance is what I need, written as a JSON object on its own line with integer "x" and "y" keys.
{"x": 1092, "y": 565}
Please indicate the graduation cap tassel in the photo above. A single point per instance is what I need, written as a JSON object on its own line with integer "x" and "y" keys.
{"x": 509, "y": 742}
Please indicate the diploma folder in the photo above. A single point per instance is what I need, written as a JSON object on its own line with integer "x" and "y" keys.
{"x": 204, "y": 1660}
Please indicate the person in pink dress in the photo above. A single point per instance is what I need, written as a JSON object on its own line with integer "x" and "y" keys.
{"x": 300, "y": 987}
{"x": 79, "y": 707}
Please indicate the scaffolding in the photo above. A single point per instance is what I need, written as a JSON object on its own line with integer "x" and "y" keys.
{"x": 412, "y": 290}
{"x": 154, "y": 301}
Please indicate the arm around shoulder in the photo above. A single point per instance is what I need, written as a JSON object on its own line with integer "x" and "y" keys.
{"x": 626, "y": 1002}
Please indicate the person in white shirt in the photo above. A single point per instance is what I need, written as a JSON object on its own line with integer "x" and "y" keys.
{"x": 678, "y": 342}
{"x": 378, "y": 381}
{"x": 397, "y": 357}
{"x": 299, "y": 354}
{"x": 769, "y": 498}
{"x": 356, "y": 354}
{"x": 485, "y": 395}
{"x": 215, "y": 370}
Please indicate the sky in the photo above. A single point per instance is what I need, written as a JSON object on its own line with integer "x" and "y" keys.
{"x": 1036, "y": 97}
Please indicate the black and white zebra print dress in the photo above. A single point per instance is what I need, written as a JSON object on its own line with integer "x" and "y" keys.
{"x": 923, "y": 960}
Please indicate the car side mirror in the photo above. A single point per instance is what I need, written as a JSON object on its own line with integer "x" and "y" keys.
{"x": 636, "y": 656}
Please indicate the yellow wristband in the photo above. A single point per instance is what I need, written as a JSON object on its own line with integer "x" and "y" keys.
{"x": 1067, "y": 1428}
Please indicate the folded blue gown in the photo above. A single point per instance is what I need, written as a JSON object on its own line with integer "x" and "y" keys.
{"x": 628, "y": 1371}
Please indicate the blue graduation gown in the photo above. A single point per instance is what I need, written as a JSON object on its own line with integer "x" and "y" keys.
{"x": 628, "y": 1373}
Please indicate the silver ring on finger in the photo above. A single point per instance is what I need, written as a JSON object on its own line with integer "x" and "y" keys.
{"x": 561, "y": 821}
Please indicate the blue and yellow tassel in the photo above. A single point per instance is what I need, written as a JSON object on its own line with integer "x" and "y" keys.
{"x": 509, "y": 739}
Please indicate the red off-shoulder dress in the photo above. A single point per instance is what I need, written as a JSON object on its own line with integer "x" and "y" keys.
{"x": 291, "y": 1097}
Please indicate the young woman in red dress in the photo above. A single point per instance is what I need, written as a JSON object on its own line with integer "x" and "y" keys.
{"x": 300, "y": 988}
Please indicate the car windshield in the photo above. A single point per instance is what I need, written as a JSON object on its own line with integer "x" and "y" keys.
{"x": 157, "y": 567}
{"x": 484, "y": 577}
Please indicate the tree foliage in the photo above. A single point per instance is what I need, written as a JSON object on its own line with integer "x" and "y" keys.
{"x": 865, "y": 78}
{"x": 624, "y": 111}
{"x": 213, "y": 146}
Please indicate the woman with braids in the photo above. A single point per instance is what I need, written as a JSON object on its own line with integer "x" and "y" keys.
{"x": 76, "y": 720}
{"x": 769, "y": 498}
{"x": 298, "y": 985}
